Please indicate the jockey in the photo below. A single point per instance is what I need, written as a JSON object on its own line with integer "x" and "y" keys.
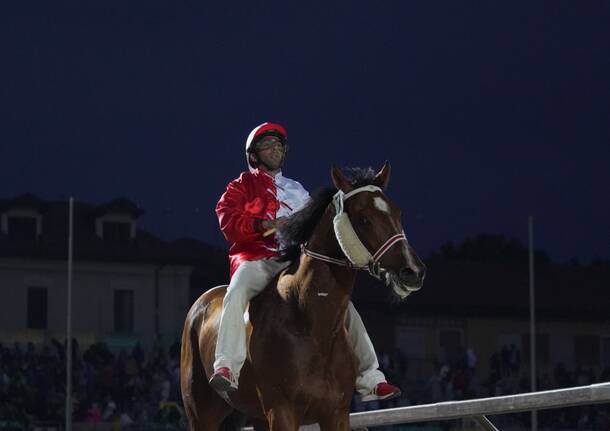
{"x": 253, "y": 206}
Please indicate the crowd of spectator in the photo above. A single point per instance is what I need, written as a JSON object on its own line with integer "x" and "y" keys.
{"x": 138, "y": 386}
{"x": 128, "y": 387}
{"x": 459, "y": 380}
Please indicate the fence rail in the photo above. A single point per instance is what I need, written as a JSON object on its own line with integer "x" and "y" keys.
{"x": 478, "y": 408}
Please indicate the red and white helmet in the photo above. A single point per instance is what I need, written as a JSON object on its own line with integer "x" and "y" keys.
{"x": 261, "y": 131}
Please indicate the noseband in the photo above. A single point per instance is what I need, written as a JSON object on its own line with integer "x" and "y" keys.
{"x": 358, "y": 256}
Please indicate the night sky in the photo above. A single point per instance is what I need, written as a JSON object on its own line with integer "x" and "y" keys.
{"x": 487, "y": 111}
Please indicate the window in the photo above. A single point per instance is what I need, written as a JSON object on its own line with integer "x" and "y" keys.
{"x": 543, "y": 349}
{"x": 411, "y": 341}
{"x": 562, "y": 350}
{"x": 37, "y": 308}
{"x": 119, "y": 232}
{"x": 587, "y": 350}
{"x": 123, "y": 311}
{"x": 606, "y": 352}
{"x": 22, "y": 228}
{"x": 451, "y": 345}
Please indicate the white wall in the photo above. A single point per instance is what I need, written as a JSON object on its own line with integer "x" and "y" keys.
{"x": 92, "y": 299}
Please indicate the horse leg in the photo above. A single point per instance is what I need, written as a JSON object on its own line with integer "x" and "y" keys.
{"x": 260, "y": 425}
{"x": 336, "y": 422}
{"x": 204, "y": 408}
{"x": 282, "y": 418}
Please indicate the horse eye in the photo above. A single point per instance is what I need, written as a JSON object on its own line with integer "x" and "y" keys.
{"x": 364, "y": 220}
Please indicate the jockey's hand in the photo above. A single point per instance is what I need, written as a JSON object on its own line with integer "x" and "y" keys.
{"x": 273, "y": 224}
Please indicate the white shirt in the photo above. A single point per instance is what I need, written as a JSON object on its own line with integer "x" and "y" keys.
{"x": 291, "y": 195}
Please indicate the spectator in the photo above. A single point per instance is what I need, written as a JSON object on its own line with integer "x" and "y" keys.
{"x": 471, "y": 360}
{"x": 94, "y": 414}
{"x": 109, "y": 410}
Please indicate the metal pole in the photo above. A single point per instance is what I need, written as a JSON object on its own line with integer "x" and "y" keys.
{"x": 484, "y": 423}
{"x": 509, "y": 404}
{"x": 532, "y": 317}
{"x": 68, "y": 426}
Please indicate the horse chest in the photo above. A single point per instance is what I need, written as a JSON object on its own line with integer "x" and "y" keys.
{"x": 321, "y": 376}
{"x": 300, "y": 360}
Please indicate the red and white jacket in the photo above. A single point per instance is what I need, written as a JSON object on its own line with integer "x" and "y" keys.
{"x": 256, "y": 195}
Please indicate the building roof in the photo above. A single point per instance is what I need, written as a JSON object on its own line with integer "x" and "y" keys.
{"x": 23, "y": 201}
{"x": 52, "y": 244}
{"x": 122, "y": 205}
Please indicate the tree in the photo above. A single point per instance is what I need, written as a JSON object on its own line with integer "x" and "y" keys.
{"x": 491, "y": 248}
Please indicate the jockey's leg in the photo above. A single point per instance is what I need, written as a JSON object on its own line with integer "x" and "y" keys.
{"x": 369, "y": 375}
{"x": 250, "y": 279}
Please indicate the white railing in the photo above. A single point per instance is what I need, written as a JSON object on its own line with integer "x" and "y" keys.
{"x": 479, "y": 408}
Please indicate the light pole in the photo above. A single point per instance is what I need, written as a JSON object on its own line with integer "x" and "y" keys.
{"x": 69, "y": 320}
{"x": 532, "y": 317}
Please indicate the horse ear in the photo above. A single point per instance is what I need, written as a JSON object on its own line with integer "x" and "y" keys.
{"x": 383, "y": 176}
{"x": 340, "y": 181}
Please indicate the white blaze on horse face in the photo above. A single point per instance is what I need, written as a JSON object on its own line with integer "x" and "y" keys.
{"x": 381, "y": 205}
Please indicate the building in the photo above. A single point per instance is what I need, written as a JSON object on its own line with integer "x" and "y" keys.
{"x": 128, "y": 285}
{"x": 485, "y": 306}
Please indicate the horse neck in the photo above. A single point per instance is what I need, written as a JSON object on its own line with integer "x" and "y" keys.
{"x": 324, "y": 289}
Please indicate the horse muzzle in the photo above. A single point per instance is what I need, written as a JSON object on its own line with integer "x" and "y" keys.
{"x": 412, "y": 279}
{"x": 405, "y": 281}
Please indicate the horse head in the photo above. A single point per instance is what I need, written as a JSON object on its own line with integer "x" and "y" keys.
{"x": 369, "y": 231}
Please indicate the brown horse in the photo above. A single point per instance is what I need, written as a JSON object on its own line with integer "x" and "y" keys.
{"x": 301, "y": 368}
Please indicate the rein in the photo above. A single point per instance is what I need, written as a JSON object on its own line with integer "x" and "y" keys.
{"x": 358, "y": 256}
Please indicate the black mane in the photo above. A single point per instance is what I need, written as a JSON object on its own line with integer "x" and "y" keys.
{"x": 298, "y": 227}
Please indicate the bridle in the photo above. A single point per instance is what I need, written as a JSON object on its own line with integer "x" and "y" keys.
{"x": 358, "y": 256}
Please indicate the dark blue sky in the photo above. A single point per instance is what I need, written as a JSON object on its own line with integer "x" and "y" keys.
{"x": 488, "y": 111}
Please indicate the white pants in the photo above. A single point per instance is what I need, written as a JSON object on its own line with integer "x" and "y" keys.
{"x": 249, "y": 280}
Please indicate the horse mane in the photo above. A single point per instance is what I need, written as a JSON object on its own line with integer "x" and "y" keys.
{"x": 299, "y": 227}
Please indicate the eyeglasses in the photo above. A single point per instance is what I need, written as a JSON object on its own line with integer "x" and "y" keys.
{"x": 268, "y": 145}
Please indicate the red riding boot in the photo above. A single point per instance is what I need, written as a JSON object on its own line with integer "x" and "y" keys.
{"x": 223, "y": 380}
{"x": 383, "y": 391}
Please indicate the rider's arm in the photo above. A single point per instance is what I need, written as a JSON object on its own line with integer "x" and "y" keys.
{"x": 236, "y": 223}
{"x": 303, "y": 197}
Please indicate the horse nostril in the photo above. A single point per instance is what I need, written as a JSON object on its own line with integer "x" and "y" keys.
{"x": 406, "y": 273}
{"x": 421, "y": 273}
{"x": 409, "y": 274}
